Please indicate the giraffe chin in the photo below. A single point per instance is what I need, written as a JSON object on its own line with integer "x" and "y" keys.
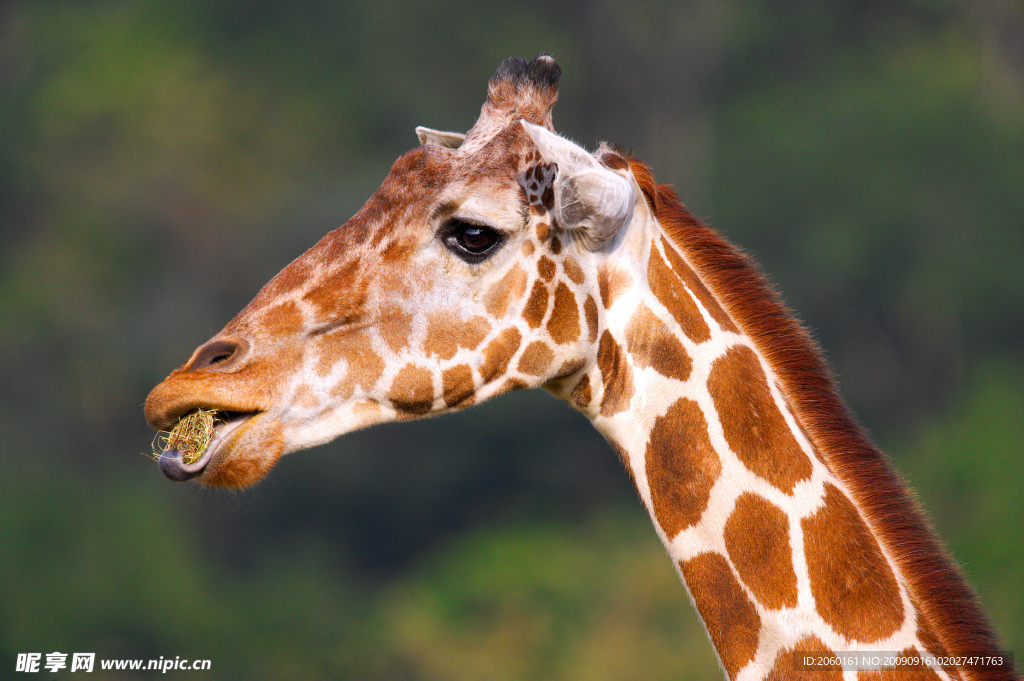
{"x": 241, "y": 453}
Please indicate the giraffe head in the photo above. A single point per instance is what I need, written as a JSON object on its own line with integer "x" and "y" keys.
{"x": 469, "y": 273}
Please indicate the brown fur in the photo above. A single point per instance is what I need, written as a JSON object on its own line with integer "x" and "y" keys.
{"x": 653, "y": 345}
{"x": 616, "y": 375}
{"x": 752, "y": 423}
{"x": 665, "y": 286}
{"x": 564, "y": 325}
{"x": 757, "y": 538}
{"x": 681, "y": 466}
{"x": 935, "y": 582}
{"x": 786, "y": 666}
{"x": 854, "y": 588}
{"x": 730, "y": 617}
{"x": 536, "y": 305}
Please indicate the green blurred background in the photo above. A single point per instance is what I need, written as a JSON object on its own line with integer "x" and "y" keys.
{"x": 160, "y": 161}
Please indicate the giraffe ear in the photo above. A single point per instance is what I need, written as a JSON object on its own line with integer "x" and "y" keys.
{"x": 588, "y": 196}
{"x": 452, "y": 140}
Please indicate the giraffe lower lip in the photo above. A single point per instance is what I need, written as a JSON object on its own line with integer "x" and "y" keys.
{"x": 173, "y": 466}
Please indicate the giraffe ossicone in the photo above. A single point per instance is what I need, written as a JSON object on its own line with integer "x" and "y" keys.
{"x": 510, "y": 258}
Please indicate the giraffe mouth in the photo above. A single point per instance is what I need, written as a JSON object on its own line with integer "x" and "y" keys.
{"x": 172, "y": 463}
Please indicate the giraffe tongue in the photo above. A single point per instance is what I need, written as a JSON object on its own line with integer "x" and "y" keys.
{"x": 176, "y": 469}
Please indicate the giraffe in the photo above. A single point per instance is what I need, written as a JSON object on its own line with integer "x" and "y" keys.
{"x": 511, "y": 258}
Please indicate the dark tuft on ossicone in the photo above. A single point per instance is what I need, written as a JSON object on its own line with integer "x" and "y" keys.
{"x": 542, "y": 71}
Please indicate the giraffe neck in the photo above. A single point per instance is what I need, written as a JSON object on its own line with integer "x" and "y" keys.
{"x": 759, "y": 506}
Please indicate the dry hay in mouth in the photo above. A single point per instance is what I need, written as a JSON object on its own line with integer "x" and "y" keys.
{"x": 191, "y": 436}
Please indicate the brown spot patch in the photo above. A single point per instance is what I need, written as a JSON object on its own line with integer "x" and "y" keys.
{"x": 412, "y": 391}
{"x": 457, "y": 386}
{"x": 498, "y": 353}
{"x": 653, "y": 345}
{"x": 853, "y": 585}
{"x": 697, "y": 287}
{"x": 556, "y": 245}
{"x": 728, "y": 614}
{"x": 572, "y": 269}
{"x": 543, "y": 230}
{"x": 536, "y": 358}
{"x": 546, "y": 268}
{"x": 564, "y": 325}
{"x": 395, "y": 327}
{"x": 581, "y": 392}
{"x": 447, "y": 332}
{"x": 753, "y": 425}
{"x": 282, "y": 319}
{"x": 667, "y": 287}
{"x": 612, "y": 282}
{"x": 616, "y": 375}
{"x": 536, "y": 305}
{"x": 364, "y": 365}
{"x": 509, "y": 288}
{"x": 757, "y": 538}
{"x": 682, "y": 466}
{"x": 788, "y": 664}
{"x": 305, "y": 397}
{"x": 590, "y": 310}
{"x": 527, "y": 248}
{"x": 340, "y": 296}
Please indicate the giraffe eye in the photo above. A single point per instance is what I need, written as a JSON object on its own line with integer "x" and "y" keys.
{"x": 473, "y": 243}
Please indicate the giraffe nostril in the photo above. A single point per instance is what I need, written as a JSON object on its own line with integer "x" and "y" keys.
{"x": 215, "y": 353}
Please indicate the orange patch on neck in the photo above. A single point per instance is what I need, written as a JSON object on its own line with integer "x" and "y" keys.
{"x": 669, "y": 289}
{"x": 564, "y": 325}
{"x": 790, "y": 667}
{"x": 612, "y": 282}
{"x": 536, "y": 305}
{"x": 653, "y": 345}
{"x": 546, "y": 268}
{"x": 753, "y": 425}
{"x": 590, "y": 311}
{"x": 572, "y": 269}
{"x": 681, "y": 467}
{"x": 757, "y": 538}
{"x": 728, "y": 614}
{"x": 689, "y": 277}
{"x": 616, "y": 374}
{"x": 853, "y": 585}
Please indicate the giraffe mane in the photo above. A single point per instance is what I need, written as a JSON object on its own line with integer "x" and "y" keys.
{"x": 936, "y": 582}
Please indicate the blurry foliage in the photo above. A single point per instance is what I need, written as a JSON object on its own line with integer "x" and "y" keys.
{"x": 160, "y": 161}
